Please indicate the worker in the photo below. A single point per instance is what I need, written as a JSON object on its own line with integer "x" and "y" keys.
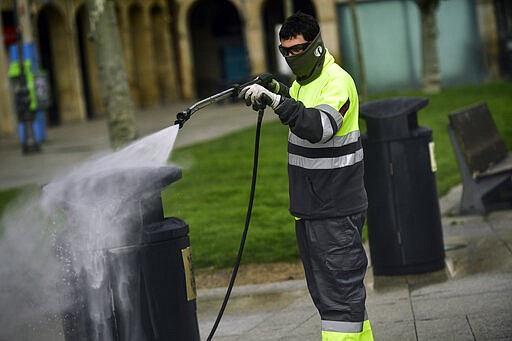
{"x": 325, "y": 169}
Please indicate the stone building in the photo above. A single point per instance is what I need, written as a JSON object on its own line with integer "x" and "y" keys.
{"x": 184, "y": 49}
{"x": 173, "y": 50}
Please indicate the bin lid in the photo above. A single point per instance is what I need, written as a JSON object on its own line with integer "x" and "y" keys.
{"x": 392, "y": 107}
{"x": 106, "y": 209}
{"x": 112, "y": 186}
{"x": 168, "y": 229}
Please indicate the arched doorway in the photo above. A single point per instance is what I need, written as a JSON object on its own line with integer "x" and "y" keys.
{"x": 273, "y": 17}
{"x": 219, "y": 52}
{"x": 47, "y": 26}
{"x": 58, "y": 56}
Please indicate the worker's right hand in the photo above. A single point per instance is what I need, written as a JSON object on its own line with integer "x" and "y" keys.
{"x": 259, "y": 97}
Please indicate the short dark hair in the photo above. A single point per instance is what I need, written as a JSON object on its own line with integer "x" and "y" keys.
{"x": 299, "y": 23}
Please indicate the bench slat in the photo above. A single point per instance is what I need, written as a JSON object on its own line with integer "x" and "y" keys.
{"x": 483, "y": 159}
{"x": 481, "y": 142}
{"x": 501, "y": 167}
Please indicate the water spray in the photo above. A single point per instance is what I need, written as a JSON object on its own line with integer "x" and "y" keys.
{"x": 181, "y": 118}
{"x": 91, "y": 256}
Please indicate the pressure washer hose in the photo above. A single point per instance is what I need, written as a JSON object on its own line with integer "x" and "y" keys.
{"x": 246, "y": 228}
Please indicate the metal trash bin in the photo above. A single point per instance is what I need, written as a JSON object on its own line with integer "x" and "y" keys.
{"x": 404, "y": 221}
{"x": 133, "y": 285}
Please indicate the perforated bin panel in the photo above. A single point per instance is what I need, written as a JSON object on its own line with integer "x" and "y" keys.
{"x": 404, "y": 221}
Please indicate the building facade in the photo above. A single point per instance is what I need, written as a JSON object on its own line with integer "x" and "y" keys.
{"x": 185, "y": 49}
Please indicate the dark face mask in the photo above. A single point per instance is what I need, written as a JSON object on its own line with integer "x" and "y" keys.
{"x": 308, "y": 64}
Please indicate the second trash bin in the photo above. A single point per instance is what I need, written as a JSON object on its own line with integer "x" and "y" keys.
{"x": 404, "y": 221}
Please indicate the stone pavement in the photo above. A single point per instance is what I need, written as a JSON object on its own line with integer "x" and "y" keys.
{"x": 471, "y": 299}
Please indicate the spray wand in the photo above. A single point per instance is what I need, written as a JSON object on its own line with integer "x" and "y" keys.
{"x": 181, "y": 118}
{"x": 233, "y": 91}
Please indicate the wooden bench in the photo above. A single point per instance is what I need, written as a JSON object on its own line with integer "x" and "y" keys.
{"x": 483, "y": 159}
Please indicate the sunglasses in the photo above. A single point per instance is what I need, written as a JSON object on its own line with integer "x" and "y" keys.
{"x": 295, "y": 49}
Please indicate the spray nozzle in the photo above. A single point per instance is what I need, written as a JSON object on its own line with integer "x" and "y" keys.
{"x": 183, "y": 117}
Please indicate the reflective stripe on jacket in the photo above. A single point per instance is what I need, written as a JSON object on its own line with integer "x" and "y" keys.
{"x": 325, "y": 155}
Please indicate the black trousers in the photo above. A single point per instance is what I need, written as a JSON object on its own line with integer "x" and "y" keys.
{"x": 335, "y": 264}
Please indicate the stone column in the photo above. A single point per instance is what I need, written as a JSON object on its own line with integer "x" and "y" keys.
{"x": 72, "y": 106}
{"x": 255, "y": 41}
{"x": 93, "y": 74}
{"x": 326, "y": 13}
{"x": 164, "y": 55}
{"x": 185, "y": 50}
{"x": 146, "y": 62}
{"x": 125, "y": 33}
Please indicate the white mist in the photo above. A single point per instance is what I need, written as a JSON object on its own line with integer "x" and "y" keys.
{"x": 40, "y": 255}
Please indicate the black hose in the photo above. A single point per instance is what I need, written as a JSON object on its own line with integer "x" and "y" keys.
{"x": 246, "y": 228}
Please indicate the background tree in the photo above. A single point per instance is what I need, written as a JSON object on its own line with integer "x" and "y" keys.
{"x": 430, "y": 57}
{"x": 112, "y": 72}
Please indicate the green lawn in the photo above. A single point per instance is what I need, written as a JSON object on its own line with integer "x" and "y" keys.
{"x": 7, "y": 196}
{"x": 213, "y": 194}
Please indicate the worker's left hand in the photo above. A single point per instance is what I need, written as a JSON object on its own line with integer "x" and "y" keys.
{"x": 259, "y": 97}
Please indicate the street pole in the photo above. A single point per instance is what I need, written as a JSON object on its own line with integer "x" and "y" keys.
{"x": 22, "y": 95}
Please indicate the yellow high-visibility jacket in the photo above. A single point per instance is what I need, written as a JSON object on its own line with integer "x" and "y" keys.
{"x": 325, "y": 154}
